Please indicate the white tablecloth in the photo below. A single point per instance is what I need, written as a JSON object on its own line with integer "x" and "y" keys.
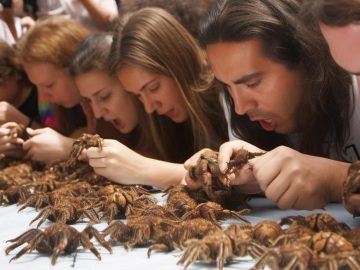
{"x": 13, "y": 223}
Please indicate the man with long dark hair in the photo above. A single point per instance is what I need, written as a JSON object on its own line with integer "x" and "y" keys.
{"x": 286, "y": 95}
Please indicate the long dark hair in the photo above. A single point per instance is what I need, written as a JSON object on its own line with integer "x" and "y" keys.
{"x": 93, "y": 55}
{"x": 324, "y": 112}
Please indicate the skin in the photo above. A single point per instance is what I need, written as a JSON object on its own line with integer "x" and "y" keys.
{"x": 344, "y": 44}
{"x": 54, "y": 83}
{"x": 108, "y": 100}
{"x": 270, "y": 93}
{"x": 266, "y": 91}
{"x": 157, "y": 92}
{"x": 12, "y": 95}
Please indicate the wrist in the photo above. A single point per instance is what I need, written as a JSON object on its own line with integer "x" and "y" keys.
{"x": 339, "y": 174}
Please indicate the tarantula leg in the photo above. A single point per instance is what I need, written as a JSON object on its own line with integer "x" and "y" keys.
{"x": 85, "y": 241}
{"x": 23, "y": 237}
{"x": 91, "y": 231}
{"x": 114, "y": 228}
{"x": 239, "y": 214}
{"x": 44, "y": 214}
{"x": 29, "y": 247}
{"x": 256, "y": 250}
{"x": 191, "y": 254}
{"x": 92, "y": 215}
{"x": 60, "y": 247}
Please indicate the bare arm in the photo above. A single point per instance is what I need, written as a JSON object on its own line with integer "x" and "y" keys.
{"x": 103, "y": 17}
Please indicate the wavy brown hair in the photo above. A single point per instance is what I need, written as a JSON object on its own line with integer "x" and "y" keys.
{"x": 92, "y": 55}
{"x": 324, "y": 114}
{"x": 55, "y": 41}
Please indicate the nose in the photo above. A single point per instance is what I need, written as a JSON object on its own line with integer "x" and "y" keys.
{"x": 149, "y": 104}
{"x": 98, "y": 111}
{"x": 243, "y": 101}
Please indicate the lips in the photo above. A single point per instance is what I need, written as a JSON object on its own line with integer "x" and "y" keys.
{"x": 117, "y": 124}
{"x": 267, "y": 124}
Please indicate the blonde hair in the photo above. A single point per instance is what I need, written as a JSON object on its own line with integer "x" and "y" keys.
{"x": 54, "y": 40}
{"x": 155, "y": 41}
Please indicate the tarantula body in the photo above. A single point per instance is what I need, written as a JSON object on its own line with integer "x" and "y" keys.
{"x": 352, "y": 186}
{"x": 215, "y": 184}
{"x": 240, "y": 158}
{"x": 222, "y": 246}
{"x": 215, "y": 247}
{"x": 83, "y": 142}
{"x": 56, "y": 240}
{"x": 68, "y": 211}
{"x": 317, "y": 222}
{"x": 286, "y": 257}
{"x": 213, "y": 211}
{"x": 18, "y": 131}
{"x": 14, "y": 194}
{"x": 267, "y": 231}
{"x": 139, "y": 231}
{"x": 177, "y": 235}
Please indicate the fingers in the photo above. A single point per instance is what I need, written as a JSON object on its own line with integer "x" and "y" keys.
{"x": 192, "y": 161}
{"x": 243, "y": 176}
{"x": 226, "y": 150}
{"x": 191, "y": 183}
{"x": 95, "y": 152}
{"x": 97, "y": 163}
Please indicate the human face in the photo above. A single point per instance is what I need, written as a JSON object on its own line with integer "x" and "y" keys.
{"x": 54, "y": 83}
{"x": 266, "y": 91}
{"x": 344, "y": 44}
{"x": 108, "y": 100}
{"x": 157, "y": 92}
{"x": 10, "y": 91}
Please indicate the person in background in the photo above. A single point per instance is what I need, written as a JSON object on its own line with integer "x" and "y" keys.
{"x": 94, "y": 14}
{"x": 339, "y": 22}
{"x": 18, "y": 98}
{"x": 158, "y": 61}
{"x": 9, "y": 13}
{"x": 187, "y": 12}
{"x": 285, "y": 95}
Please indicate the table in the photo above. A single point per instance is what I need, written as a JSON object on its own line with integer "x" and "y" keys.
{"x": 13, "y": 223}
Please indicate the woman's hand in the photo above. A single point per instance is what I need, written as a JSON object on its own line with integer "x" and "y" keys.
{"x": 47, "y": 145}
{"x": 120, "y": 164}
{"x": 10, "y": 146}
{"x": 115, "y": 161}
{"x": 8, "y": 113}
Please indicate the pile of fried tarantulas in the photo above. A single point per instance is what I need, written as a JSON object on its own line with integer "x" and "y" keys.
{"x": 69, "y": 191}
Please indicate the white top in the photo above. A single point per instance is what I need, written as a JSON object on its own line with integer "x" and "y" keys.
{"x": 5, "y": 33}
{"x": 351, "y": 149}
{"x": 74, "y": 9}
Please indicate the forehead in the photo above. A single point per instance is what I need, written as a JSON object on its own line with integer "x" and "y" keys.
{"x": 39, "y": 72}
{"x": 228, "y": 58}
{"x": 133, "y": 78}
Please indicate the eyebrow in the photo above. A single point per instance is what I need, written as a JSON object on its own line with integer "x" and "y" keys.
{"x": 248, "y": 77}
{"x": 146, "y": 84}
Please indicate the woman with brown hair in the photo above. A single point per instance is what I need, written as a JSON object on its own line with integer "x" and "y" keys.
{"x": 46, "y": 52}
{"x": 158, "y": 61}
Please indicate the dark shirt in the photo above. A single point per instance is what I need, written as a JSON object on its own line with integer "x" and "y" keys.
{"x": 30, "y": 106}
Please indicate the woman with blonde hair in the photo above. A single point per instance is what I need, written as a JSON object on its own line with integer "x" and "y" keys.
{"x": 46, "y": 51}
{"x": 158, "y": 61}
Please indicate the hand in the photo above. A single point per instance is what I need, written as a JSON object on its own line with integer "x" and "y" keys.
{"x": 115, "y": 161}
{"x": 243, "y": 179}
{"x": 10, "y": 146}
{"x": 47, "y": 145}
{"x": 27, "y": 22}
{"x": 295, "y": 180}
{"x": 8, "y": 113}
{"x": 191, "y": 162}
